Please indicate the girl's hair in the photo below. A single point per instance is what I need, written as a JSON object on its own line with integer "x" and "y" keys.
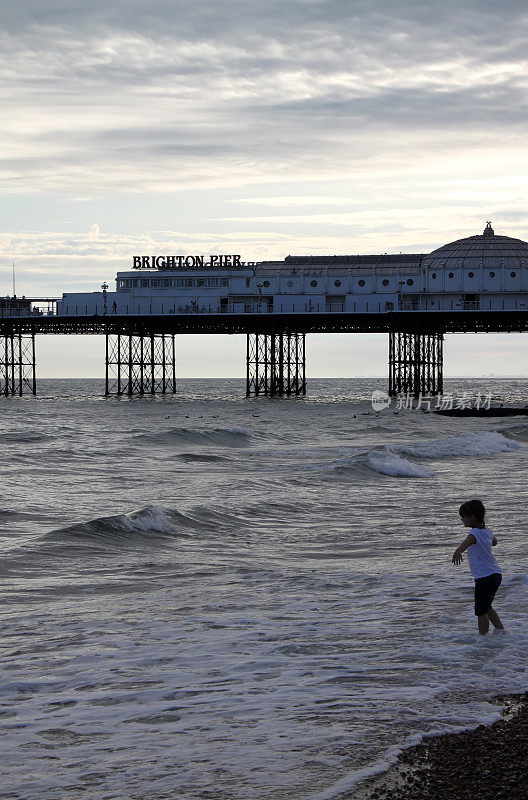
{"x": 473, "y": 508}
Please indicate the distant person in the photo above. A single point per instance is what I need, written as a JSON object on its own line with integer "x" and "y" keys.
{"x": 114, "y": 307}
{"x": 482, "y": 563}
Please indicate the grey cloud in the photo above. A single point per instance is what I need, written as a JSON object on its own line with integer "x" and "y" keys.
{"x": 231, "y": 16}
{"x": 410, "y": 108}
{"x": 213, "y": 86}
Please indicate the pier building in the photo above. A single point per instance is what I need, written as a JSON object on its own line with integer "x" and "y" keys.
{"x": 483, "y": 272}
{"x": 479, "y": 283}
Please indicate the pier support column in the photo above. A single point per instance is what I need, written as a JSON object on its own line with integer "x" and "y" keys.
{"x": 276, "y": 364}
{"x": 415, "y": 364}
{"x": 18, "y": 375}
{"x": 139, "y": 365}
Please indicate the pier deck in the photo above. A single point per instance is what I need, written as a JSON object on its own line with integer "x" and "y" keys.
{"x": 420, "y": 322}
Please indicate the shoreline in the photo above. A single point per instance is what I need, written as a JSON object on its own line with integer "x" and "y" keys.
{"x": 489, "y": 762}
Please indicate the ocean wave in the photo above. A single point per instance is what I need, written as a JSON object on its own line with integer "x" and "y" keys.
{"x": 24, "y": 437}
{"x": 223, "y": 437}
{"x": 389, "y": 460}
{"x": 471, "y": 444}
{"x": 382, "y": 461}
{"x": 388, "y": 463}
{"x": 204, "y": 457}
{"x": 145, "y": 521}
{"x": 516, "y": 432}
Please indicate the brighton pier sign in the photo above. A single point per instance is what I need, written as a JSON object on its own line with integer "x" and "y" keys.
{"x": 184, "y": 262}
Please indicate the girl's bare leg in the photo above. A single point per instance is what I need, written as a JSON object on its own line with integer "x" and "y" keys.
{"x": 483, "y": 624}
{"x": 495, "y": 619}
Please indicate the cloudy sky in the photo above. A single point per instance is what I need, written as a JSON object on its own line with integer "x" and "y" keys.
{"x": 263, "y": 128}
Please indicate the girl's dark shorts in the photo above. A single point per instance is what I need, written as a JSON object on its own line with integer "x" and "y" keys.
{"x": 485, "y": 589}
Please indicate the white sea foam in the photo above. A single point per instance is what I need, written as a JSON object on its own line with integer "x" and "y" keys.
{"x": 389, "y": 463}
{"x": 147, "y": 519}
{"x": 389, "y": 460}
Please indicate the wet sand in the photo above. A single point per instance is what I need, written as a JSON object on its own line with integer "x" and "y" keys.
{"x": 487, "y": 763}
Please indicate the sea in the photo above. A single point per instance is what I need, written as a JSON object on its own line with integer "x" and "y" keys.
{"x": 211, "y": 596}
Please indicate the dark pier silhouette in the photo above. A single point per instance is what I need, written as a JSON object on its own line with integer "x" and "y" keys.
{"x": 141, "y": 354}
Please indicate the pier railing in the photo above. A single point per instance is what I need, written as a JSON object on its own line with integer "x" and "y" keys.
{"x": 302, "y": 307}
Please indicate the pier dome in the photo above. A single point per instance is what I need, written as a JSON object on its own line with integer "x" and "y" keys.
{"x": 486, "y": 250}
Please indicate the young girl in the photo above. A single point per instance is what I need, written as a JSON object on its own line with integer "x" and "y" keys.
{"x": 484, "y": 568}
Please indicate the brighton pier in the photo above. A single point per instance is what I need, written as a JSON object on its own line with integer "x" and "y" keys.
{"x": 478, "y": 284}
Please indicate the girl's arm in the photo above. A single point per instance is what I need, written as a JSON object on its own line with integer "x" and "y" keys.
{"x": 468, "y": 541}
{"x": 494, "y": 542}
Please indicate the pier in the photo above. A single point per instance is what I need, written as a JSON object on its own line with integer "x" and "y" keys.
{"x": 474, "y": 285}
{"x": 141, "y": 350}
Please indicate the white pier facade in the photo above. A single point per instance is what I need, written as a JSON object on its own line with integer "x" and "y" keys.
{"x": 484, "y": 272}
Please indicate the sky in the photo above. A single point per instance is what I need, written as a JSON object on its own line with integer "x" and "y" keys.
{"x": 263, "y": 128}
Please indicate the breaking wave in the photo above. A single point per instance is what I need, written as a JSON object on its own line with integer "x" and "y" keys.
{"x": 388, "y": 463}
{"x": 144, "y": 521}
{"x": 389, "y": 460}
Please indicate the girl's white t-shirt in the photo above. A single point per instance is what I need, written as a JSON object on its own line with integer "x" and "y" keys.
{"x": 481, "y": 560}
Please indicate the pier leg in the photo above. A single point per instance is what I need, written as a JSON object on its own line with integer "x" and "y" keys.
{"x": 18, "y": 370}
{"x": 275, "y": 364}
{"x": 147, "y": 360}
{"x": 415, "y": 364}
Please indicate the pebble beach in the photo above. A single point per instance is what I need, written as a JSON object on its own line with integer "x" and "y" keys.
{"x": 489, "y": 763}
